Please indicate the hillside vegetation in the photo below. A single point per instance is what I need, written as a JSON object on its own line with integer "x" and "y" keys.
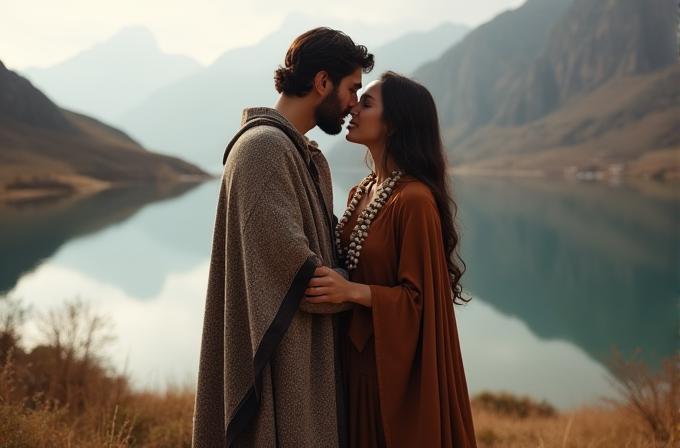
{"x": 48, "y": 150}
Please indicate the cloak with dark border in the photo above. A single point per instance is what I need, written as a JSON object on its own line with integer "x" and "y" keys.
{"x": 268, "y": 370}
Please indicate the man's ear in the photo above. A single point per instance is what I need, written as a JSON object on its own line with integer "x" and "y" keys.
{"x": 322, "y": 83}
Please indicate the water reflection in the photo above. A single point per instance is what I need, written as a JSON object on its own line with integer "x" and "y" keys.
{"x": 501, "y": 353}
{"x": 559, "y": 271}
{"x": 31, "y": 232}
{"x": 163, "y": 239}
{"x": 157, "y": 339}
{"x": 588, "y": 263}
{"x": 593, "y": 263}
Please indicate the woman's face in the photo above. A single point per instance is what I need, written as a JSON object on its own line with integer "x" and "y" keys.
{"x": 367, "y": 127}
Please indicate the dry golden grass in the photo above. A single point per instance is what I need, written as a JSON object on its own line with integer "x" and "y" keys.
{"x": 159, "y": 420}
{"x": 91, "y": 407}
{"x": 505, "y": 420}
{"x": 163, "y": 419}
{"x": 582, "y": 428}
{"x": 63, "y": 394}
{"x": 131, "y": 419}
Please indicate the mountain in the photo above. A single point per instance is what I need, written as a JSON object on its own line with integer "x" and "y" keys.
{"x": 626, "y": 126}
{"x": 592, "y": 43}
{"x": 601, "y": 95}
{"x": 470, "y": 78}
{"x": 110, "y": 78}
{"x": 562, "y": 86}
{"x": 43, "y": 147}
{"x": 596, "y": 94}
{"x": 405, "y": 54}
{"x": 196, "y": 117}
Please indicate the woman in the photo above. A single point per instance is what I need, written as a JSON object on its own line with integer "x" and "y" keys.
{"x": 403, "y": 369}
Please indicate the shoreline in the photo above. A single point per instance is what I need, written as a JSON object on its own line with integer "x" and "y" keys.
{"x": 72, "y": 186}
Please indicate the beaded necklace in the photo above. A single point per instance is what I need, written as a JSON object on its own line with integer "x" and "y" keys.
{"x": 360, "y": 232}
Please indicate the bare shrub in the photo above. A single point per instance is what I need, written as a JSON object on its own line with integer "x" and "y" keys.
{"x": 12, "y": 318}
{"x": 511, "y": 405}
{"x": 647, "y": 394}
{"x": 76, "y": 331}
{"x": 68, "y": 364}
{"x": 61, "y": 393}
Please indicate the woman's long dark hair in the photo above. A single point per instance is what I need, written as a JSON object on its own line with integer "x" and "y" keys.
{"x": 414, "y": 144}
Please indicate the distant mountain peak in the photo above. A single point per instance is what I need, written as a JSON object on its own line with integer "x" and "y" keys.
{"x": 133, "y": 37}
{"x": 112, "y": 77}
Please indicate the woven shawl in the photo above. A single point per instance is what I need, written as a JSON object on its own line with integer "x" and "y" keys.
{"x": 268, "y": 370}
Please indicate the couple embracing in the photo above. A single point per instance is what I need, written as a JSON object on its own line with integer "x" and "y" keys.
{"x": 321, "y": 332}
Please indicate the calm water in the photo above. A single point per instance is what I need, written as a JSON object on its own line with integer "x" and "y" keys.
{"x": 559, "y": 272}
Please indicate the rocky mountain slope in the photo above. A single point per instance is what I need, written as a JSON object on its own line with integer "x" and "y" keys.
{"x": 562, "y": 87}
{"x": 47, "y": 149}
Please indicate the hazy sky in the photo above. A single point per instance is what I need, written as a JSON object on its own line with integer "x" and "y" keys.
{"x": 43, "y": 33}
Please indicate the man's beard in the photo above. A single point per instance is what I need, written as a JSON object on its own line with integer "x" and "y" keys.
{"x": 328, "y": 113}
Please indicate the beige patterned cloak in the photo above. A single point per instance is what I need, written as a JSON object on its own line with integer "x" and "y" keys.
{"x": 268, "y": 372}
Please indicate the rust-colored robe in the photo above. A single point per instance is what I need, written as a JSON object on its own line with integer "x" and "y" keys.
{"x": 411, "y": 329}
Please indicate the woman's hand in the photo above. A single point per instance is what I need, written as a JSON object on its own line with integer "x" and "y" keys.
{"x": 329, "y": 286}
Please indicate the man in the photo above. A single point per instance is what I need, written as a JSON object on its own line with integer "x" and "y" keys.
{"x": 268, "y": 374}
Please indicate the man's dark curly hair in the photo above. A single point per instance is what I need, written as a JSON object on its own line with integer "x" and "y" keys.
{"x": 320, "y": 49}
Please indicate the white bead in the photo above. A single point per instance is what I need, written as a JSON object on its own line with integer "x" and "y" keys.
{"x": 360, "y": 231}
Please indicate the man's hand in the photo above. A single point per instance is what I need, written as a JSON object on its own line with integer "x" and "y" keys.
{"x": 327, "y": 286}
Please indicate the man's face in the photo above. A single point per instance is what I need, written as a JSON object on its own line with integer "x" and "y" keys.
{"x": 330, "y": 113}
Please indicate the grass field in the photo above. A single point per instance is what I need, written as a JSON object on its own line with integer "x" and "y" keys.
{"x": 61, "y": 393}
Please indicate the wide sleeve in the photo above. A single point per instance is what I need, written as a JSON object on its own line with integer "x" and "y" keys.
{"x": 397, "y": 311}
{"x": 411, "y": 325}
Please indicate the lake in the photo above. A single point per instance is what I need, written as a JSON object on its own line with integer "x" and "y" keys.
{"x": 559, "y": 272}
